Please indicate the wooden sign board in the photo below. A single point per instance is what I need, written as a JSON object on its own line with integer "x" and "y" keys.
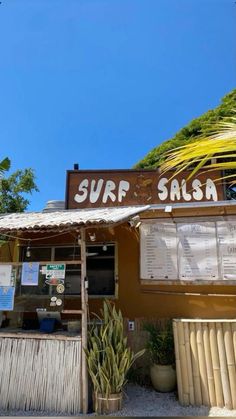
{"x": 107, "y": 188}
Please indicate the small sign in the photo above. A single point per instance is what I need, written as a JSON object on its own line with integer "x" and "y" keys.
{"x": 5, "y": 275}
{"x": 30, "y": 274}
{"x": 55, "y": 271}
{"x": 55, "y": 274}
{"x": 7, "y": 298}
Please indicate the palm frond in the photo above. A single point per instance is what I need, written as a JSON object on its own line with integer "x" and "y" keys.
{"x": 4, "y": 165}
{"x": 220, "y": 144}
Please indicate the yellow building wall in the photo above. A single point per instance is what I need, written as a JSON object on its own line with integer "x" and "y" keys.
{"x": 140, "y": 300}
{"x": 137, "y": 299}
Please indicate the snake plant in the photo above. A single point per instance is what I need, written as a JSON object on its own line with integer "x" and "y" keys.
{"x": 108, "y": 356}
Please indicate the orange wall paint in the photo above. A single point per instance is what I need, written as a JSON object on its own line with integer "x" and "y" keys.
{"x": 132, "y": 300}
{"x": 134, "y": 303}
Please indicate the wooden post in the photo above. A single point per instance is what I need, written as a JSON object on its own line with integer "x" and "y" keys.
{"x": 84, "y": 322}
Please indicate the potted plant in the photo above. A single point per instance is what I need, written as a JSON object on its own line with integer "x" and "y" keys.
{"x": 109, "y": 359}
{"x": 160, "y": 346}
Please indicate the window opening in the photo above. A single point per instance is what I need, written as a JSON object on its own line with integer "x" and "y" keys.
{"x": 100, "y": 269}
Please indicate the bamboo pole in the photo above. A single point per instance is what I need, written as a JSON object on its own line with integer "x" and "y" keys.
{"x": 195, "y": 366}
{"x": 223, "y": 367}
{"x": 84, "y": 322}
{"x": 183, "y": 363}
{"x": 189, "y": 363}
{"x": 202, "y": 365}
{"x": 228, "y": 340}
{"x": 216, "y": 365}
{"x": 233, "y": 327}
{"x": 209, "y": 367}
{"x": 177, "y": 362}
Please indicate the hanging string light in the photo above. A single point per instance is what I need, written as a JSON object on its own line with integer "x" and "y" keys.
{"x": 28, "y": 250}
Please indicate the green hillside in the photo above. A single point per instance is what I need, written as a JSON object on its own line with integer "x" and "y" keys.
{"x": 201, "y": 125}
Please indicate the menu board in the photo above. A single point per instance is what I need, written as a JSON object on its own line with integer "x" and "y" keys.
{"x": 197, "y": 251}
{"x": 158, "y": 251}
{"x": 226, "y": 232}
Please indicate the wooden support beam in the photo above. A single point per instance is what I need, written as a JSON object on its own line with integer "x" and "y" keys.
{"x": 84, "y": 300}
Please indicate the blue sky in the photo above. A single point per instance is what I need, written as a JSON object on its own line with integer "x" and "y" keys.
{"x": 102, "y": 82}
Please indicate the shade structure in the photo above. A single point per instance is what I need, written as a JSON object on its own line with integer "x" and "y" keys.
{"x": 67, "y": 220}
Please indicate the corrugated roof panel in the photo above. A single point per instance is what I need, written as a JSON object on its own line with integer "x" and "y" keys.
{"x": 64, "y": 220}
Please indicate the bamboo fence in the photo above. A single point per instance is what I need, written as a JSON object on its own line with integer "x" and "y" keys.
{"x": 205, "y": 352}
{"x": 40, "y": 374}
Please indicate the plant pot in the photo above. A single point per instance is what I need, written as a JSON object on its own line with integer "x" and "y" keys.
{"x": 103, "y": 405}
{"x": 163, "y": 377}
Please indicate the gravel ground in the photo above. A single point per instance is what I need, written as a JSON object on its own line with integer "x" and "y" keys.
{"x": 140, "y": 401}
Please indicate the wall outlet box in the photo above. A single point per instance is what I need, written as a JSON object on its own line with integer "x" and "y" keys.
{"x": 131, "y": 325}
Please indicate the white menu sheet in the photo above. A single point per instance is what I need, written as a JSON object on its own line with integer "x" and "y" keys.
{"x": 158, "y": 251}
{"x": 226, "y": 232}
{"x": 197, "y": 251}
{"x": 5, "y": 275}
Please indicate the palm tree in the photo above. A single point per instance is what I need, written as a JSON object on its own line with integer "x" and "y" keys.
{"x": 4, "y": 165}
{"x": 214, "y": 151}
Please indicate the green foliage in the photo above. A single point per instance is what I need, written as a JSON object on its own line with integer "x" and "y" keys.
{"x": 4, "y": 165}
{"x": 14, "y": 188}
{"x": 199, "y": 126}
{"x": 108, "y": 356}
{"x": 160, "y": 344}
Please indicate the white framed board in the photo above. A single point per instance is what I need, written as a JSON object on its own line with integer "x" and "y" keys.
{"x": 158, "y": 251}
{"x": 188, "y": 251}
{"x": 197, "y": 251}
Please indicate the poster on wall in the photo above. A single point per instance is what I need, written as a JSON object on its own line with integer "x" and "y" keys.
{"x": 30, "y": 274}
{"x": 226, "y": 233}
{"x": 197, "y": 251}
{"x": 5, "y": 275}
{"x": 55, "y": 274}
{"x": 7, "y": 298}
{"x": 158, "y": 244}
